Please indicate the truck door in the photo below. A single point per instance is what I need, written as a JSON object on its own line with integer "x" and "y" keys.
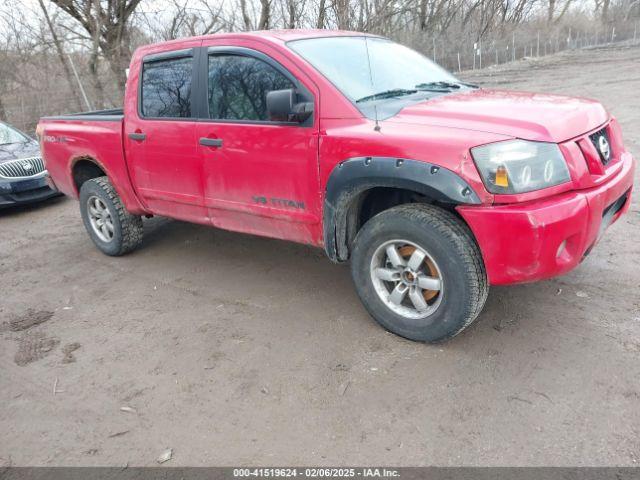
{"x": 260, "y": 176}
{"x": 162, "y": 152}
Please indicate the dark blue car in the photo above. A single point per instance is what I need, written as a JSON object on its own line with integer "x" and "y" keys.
{"x": 22, "y": 172}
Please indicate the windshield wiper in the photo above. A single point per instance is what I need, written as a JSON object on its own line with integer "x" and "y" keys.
{"x": 443, "y": 86}
{"x": 396, "y": 92}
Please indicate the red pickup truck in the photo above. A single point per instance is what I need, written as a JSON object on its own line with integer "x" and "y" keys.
{"x": 431, "y": 187}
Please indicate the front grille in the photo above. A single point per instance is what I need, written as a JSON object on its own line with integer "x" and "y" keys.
{"x": 25, "y": 167}
{"x": 600, "y": 140}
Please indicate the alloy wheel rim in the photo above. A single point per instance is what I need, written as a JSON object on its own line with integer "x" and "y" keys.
{"x": 407, "y": 279}
{"x": 100, "y": 219}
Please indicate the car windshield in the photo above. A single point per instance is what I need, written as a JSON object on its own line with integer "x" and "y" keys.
{"x": 10, "y": 135}
{"x": 372, "y": 68}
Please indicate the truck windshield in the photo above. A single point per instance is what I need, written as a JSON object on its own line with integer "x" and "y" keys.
{"x": 372, "y": 68}
{"x": 9, "y": 135}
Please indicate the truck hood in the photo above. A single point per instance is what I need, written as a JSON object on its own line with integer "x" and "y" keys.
{"x": 530, "y": 116}
{"x": 16, "y": 151}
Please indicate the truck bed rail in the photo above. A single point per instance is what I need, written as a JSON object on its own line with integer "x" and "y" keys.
{"x": 110, "y": 115}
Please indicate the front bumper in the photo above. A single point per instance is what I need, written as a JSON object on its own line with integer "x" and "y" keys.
{"x": 24, "y": 190}
{"x": 544, "y": 238}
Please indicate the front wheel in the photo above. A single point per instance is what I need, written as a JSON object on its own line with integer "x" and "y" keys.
{"x": 419, "y": 272}
{"x": 111, "y": 227}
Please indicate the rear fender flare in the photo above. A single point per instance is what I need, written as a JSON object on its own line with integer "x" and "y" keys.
{"x": 350, "y": 178}
{"x": 83, "y": 158}
{"x": 129, "y": 198}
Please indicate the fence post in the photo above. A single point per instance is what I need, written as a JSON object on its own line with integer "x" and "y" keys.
{"x": 513, "y": 46}
{"x": 475, "y": 46}
{"x": 24, "y": 115}
{"x": 474, "y": 56}
{"x": 538, "y": 47}
{"x": 613, "y": 33}
{"x": 459, "y": 67}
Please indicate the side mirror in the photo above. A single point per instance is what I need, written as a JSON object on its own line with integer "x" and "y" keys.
{"x": 282, "y": 107}
{"x": 280, "y": 104}
{"x": 302, "y": 111}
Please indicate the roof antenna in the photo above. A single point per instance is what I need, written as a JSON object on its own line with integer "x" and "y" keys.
{"x": 375, "y": 107}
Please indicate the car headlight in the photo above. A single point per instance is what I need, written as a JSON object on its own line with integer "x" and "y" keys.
{"x": 519, "y": 166}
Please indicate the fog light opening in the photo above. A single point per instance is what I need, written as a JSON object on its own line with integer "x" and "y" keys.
{"x": 561, "y": 249}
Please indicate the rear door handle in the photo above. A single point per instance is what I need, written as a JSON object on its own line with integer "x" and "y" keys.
{"x": 211, "y": 142}
{"x": 137, "y": 136}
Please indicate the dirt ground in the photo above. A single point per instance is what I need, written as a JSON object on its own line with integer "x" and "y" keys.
{"x": 233, "y": 350}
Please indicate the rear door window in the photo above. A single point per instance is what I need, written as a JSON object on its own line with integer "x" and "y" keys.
{"x": 238, "y": 87}
{"x": 166, "y": 88}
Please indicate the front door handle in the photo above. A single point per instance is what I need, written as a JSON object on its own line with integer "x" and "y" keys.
{"x": 211, "y": 142}
{"x": 137, "y": 136}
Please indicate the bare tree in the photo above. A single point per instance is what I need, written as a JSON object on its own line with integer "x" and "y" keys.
{"x": 186, "y": 19}
{"x": 342, "y": 13}
{"x": 322, "y": 9}
{"x": 553, "y": 6}
{"x": 106, "y": 22}
{"x": 605, "y": 10}
{"x": 61, "y": 56}
{"x": 265, "y": 15}
{"x": 633, "y": 5}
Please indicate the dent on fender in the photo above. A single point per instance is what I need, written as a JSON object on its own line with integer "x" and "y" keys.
{"x": 354, "y": 176}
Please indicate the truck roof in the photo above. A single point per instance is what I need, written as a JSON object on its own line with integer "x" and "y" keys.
{"x": 274, "y": 36}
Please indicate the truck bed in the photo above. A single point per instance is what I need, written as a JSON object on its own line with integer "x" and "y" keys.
{"x": 69, "y": 141}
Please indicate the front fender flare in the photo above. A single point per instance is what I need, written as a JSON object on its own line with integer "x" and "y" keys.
{"x": 354, "y": 176}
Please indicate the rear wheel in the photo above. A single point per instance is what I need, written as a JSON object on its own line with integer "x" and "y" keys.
{"x": 419, "y": 272}
{"x": 111, "y": 227}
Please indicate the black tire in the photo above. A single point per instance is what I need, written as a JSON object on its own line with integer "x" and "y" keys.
{"x": 450, "y": 245}
{"x": 127, "y": 228}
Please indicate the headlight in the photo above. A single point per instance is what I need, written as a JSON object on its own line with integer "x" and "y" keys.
{"x": 519, "y": 166}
